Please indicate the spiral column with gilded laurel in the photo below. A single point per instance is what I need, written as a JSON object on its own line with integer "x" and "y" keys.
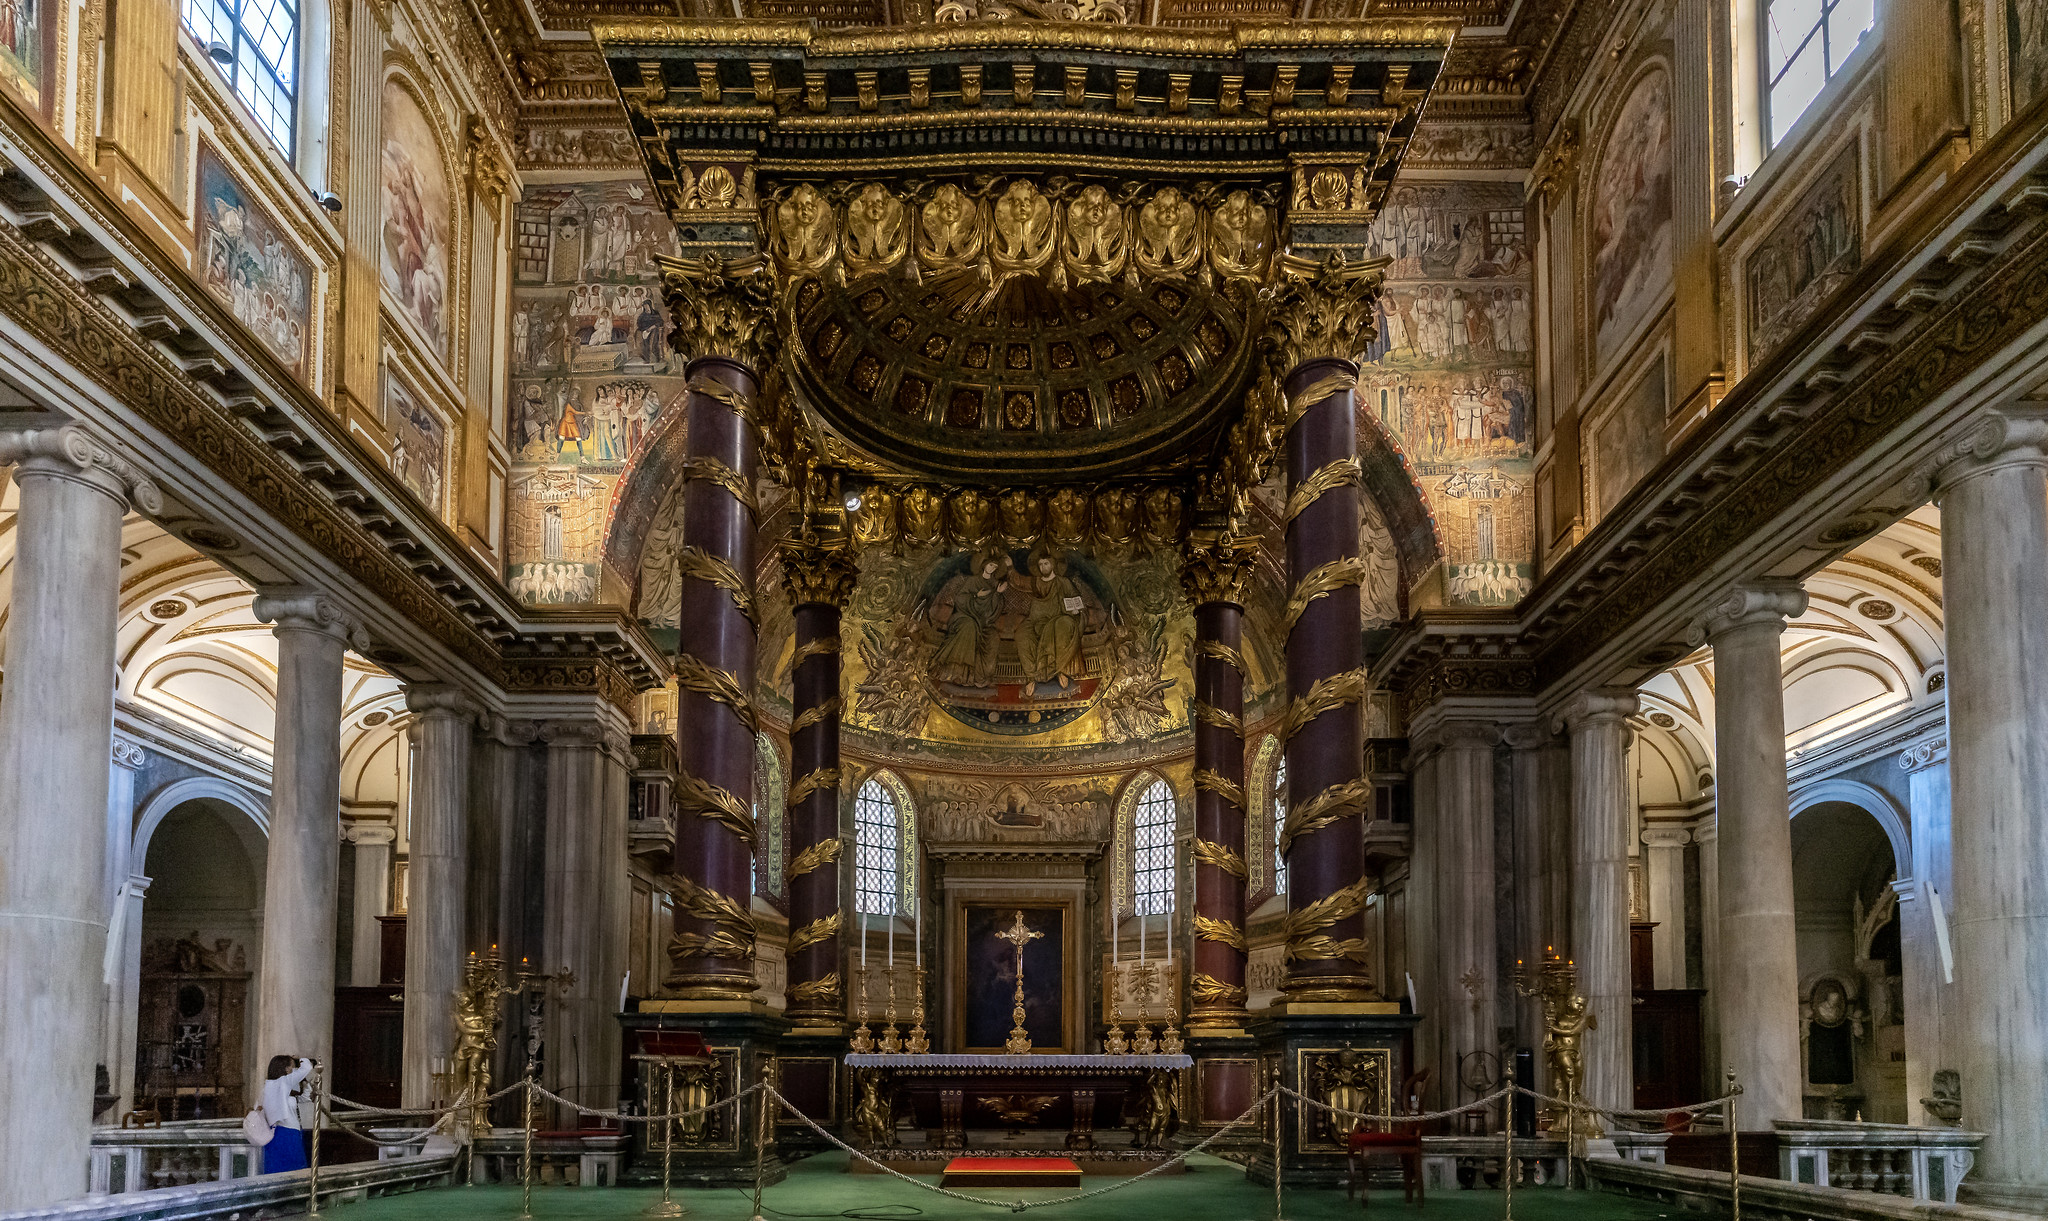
{"x": 818, "y": 579}
{"x": 1213, "y": 573}
{"x": 724, "y": 324}
{"x": 1321, "y": 315}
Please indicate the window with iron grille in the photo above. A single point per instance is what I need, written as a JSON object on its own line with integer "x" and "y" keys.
{"x": 876, "y": 850}
{"x": 1152, "y": 863}
{"x": 1805, "y": 44}
{"x": 1279, "y": 824}
{"x": 261, "y": 39}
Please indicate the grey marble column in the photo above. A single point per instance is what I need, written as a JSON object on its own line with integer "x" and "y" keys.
{"x": 1926, "y": 938}
{"x": 1994, "y": 557}
{"x": 1534, "y": 931}
{"x": 1603, "y": 824}
{"x": 371, "y": 842}
{"x": 1468, "y": 974}
{"x": 124, "y": 888}
{"x": 295, "y": 983}
{"x": 586, "y": 887}
{"x": 435, "y": 937}
{"x": 1757, "y": 983}
{"x": 56, "y": 728}
{"x": 1708, "y": 836}
{"x": 1664, "y": 863}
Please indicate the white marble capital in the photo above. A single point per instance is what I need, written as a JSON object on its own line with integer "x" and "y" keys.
{"x": 1752, "y": 604}
{"x": 1925, "y": 753}
{"x": 440, "y": 699}
{"x": 1598, "y": 706}
{"x": 1666, "y": 837}
{"x": 70, "y": 452}
{"x": 2001, "y": 438}
{"x": 1529, "y": 735}
{"x": 303, "y": 610}
{"x": 129, "y": 755}
{"x": 372, "y": 834}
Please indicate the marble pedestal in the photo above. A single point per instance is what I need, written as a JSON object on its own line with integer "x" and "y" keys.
{"x": 812, "y": 1077}
{"x": 1225, "y": 1080}
{"x": 1304, "y": 1040}
{"x": 744, "y": 1039}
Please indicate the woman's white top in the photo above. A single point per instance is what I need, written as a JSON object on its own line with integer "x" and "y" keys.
{"x": 278, "y": 1104}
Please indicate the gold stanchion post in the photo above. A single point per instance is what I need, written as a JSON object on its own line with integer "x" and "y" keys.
{"x": 1507, "y": 1166}
{"x": 761, "y": 1105}
{"x": 667, "y": 1207}
{"x": 1277, "y": 1098}
{"x": 1734, "y": 1152}
{"x": 313, "y": 1145}
{"x": 526, "y": 1153}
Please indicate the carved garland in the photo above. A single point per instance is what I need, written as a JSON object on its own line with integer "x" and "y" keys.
{"x": 817, "y": 856}
{"x": 1209, "y": 852}
{"x": 824, "y": 779}
{"x": 1223, "y": 932}
{"x": 1221, "y": 785}
{"x": 696, "y": 563}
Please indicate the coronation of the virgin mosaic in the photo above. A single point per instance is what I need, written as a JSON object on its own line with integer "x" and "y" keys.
{"x": 849, "y": 607}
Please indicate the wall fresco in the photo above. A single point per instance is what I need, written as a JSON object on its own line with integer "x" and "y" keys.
{"x": 1805, "y": 257}
{"x": 251, "y": 267}
{"x": 1631, "y": 216}
{"x": 419, "y": 444}
{"x": 418, "y": 209}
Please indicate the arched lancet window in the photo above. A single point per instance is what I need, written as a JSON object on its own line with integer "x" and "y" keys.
{"x": 1279, "y": 824}
{"x": 1262, "y": 842}
{"x": 1153, "y": 868}
{"x": 767, "y": 864}
{"x": 884, "y": 847}
{"x": 260, "y": 40}
{"x": 1805, "y": 44}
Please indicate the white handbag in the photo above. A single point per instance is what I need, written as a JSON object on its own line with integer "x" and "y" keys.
{"x": 257, "y": 1127}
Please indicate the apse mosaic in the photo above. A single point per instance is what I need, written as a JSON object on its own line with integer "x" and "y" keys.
{"x": 1450, "y": 379}
{"x": 591, "y": 374}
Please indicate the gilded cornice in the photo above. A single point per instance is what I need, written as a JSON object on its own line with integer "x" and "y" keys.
{"x": 820, "y": 43}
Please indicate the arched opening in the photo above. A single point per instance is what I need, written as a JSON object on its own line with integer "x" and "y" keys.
{"x": 201, "y": 942}
{"x": 1851, "y": 988}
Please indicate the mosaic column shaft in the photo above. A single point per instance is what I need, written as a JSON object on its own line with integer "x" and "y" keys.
{"x": 1214, "y": 575}
{"x": 1324, "y": 318}
{"x": 721, "y": 322}
{"x": 56, "y": 732}
{"x": 818, "y": 580}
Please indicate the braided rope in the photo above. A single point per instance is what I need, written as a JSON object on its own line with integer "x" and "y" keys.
{"x": 1474, "y": 1105}
{"x": 578, "y": 1107}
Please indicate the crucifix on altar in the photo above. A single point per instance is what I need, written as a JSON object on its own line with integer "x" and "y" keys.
{"x": 1019, "y": 935}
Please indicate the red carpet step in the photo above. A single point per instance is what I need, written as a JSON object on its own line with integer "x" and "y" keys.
{"x": 1011, "y": 1172}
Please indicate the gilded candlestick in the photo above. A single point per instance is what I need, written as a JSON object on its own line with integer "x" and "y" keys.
{"x": 863, "y": 1040}
{"x": 892, "y": 1042}
{"x": 917, "y": 1044}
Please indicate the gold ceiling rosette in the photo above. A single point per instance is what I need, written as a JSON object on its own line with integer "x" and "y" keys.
{"x": 1029, "y": 244}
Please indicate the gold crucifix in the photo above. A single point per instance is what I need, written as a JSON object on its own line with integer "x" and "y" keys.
{"x": 1019, "y": 1042}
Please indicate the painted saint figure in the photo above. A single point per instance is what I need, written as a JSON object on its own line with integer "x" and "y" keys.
{"x": 967, "y": 618}
{"x": 1049, "y": 640}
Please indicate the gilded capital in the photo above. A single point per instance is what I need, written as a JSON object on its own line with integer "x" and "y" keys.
{"x": 1321, "y": 311}
{"x": 1215, "y": 566}
{"x": 722, "y": 307}
{"x": 816, "y": 574}
{"x": 70, "y": 452}
{"x": 1770, "y": 602}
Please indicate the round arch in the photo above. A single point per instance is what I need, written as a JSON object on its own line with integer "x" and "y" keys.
{"x": 168, "y": 798}
{"x": 1873, "y": 801}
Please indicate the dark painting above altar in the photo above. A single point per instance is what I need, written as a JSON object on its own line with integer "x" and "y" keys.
{"x": 988, "y": 971}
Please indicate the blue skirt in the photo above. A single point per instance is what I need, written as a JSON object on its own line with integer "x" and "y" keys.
{"x": 286, "y": 1151}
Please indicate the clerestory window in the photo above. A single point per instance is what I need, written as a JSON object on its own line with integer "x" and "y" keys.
{"x": 1805, "y": 44}
{"x": 255, "y": 44}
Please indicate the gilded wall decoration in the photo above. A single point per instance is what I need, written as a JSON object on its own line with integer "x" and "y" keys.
{"x": 1630, "y": 216}
{"x": 419, "y": 443}
{"x": 591, "y": 369}
{"x": 1464, "y": 145}
{"x": 28, "y": 47}
{"x": 418, "y": 210}
{"x": 1450, "y": 378}
{"x": 250, "y": 266}
{"x": 988, "y": 811}
{"x": 548, "y": 147}
{"x": 1806, "y": 256}
{"x": 2026, "y": 50}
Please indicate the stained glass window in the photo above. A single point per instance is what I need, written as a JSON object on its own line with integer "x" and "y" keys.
{"x": 261, "y": 41}
{"x": 877, "y": 851}
{"x": 1279, "y": 823}
{"x": 1152, "y": 863}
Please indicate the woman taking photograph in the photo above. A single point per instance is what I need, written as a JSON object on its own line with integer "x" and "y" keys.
{"x": 280, "y": 1106}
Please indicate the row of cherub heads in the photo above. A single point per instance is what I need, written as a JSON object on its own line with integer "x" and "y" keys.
{"x": 1062, "y": 230}
{"x": 1117, "y": 517}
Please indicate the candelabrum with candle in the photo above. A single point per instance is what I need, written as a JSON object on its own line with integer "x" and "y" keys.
{"x": 892, "y": 1040}
{"x": 1116, "y": 1042}
{"x": 1170, "y": 1041}
{"x": 916, "y": 1043}
{"x": 1565, "y": 1020}
{"x": 863, "y": 1039}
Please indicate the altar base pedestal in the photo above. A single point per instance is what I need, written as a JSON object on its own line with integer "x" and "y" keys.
{"x": 741, "y": 1039}
{"x": 1225, "y": 1080}
{"x": 1307, "y": 1043}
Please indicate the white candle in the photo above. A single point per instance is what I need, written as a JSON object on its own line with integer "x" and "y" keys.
{"x": 889, "y": 929}
{"x": 863, "y": 941}
{"x": 1116, "y": 954}
{"x": 917, "y": 932}
{"x": 1139, "y": 907}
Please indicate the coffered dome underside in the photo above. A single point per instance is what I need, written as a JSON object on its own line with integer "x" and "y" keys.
{"x": 954, "y": 379}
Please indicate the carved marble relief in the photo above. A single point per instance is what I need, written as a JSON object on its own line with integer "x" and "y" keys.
{"x": 1809, "y": 253}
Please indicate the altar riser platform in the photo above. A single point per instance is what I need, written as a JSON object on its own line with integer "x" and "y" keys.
{"x": 1102, "y": 1164}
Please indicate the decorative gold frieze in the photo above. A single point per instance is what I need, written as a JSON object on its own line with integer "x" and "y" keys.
{"x": 722, "y": 307}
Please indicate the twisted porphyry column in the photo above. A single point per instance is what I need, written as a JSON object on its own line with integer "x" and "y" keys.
{"x": 723, "y": 324}
{"x": 1213, "y": 572}
{"x": 818, "y": 579}
{"x": 1321, "y": 316}
{"x": 56, "y": 733}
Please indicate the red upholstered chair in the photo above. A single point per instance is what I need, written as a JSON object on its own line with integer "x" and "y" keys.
{"x": 1404, "y": 1143}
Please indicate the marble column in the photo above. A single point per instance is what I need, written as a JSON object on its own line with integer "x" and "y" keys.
{"x": 584, "y": 936}
{"x": 435, "y": 911}
{"x": 1459, "y": 756}
{"x": 1707, "y": 835}
{"x": 295, "y": 983}
{"x": 724, "y": 325}
{"x": 1926, "y": 935}
{"x": 1757, "y": 984}
{"x": 1603, "y": 823}
{"x": 1993, "y": 494}
{"x": 1664, "y": 863}
{"x": 1319, "y": 321}
{"x": 124, "y": 886}
{"x": 56, "y": 728}
{"x": 818, "y": 579}
{"x": 371, "y": 842}
{"x": 1213, "y": 572}
{"x": 1534, "y": 931}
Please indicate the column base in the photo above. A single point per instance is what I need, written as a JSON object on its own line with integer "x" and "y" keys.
{"x": 1340, "y": 989}
{"x": 743, "y": 1040}
{"x": 1355, "y": 1055}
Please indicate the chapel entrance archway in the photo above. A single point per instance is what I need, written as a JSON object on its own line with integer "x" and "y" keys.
{"x": 1851, "y": 987}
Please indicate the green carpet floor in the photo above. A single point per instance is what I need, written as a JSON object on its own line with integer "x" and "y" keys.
{"x": 819, "y": 1188}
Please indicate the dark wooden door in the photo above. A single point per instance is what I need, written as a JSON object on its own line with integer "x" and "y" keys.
{"x": 1668, "y": 1049}
{"x": 369, "y": 1044}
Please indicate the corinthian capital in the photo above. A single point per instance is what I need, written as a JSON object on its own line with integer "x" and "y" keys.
{"x": 817, "y": 574}
{"x": 2001, "y": 437}
{"x": 70, "y": 452}
{"x": 301, "y": 610}
{"x": 1770, "y": 602}
{"x": 722, "y": 307}
{"x": 1321, "y": 311}
{"x": 1215, "y": 565}
{"x": 1598, "y": 706}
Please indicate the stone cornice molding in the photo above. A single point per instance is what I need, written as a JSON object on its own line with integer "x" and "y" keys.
{"x": 440, "y": 700}
{"x": 301, "y": 610}
{"x": 70, "y": 452}
{"x": 589, "y": 735}
{"x": 2005, "y": 437}
{"x": 1666, "y": 837}
{"x": 1597, "y": 706}
{"x": 1757, "y": 603}
{"x": 1924, "y": 753}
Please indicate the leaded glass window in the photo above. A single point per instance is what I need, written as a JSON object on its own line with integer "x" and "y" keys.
{"x": 1279, "y": 824}
{"x": 1152, "y": 863}
{"x": 877, "y": 850}
{"x": 1805, "y": 44}
{"x": 261, "y": 38}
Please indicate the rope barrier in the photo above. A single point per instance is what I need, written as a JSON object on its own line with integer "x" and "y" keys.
{"x": 622, "y": 1117}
